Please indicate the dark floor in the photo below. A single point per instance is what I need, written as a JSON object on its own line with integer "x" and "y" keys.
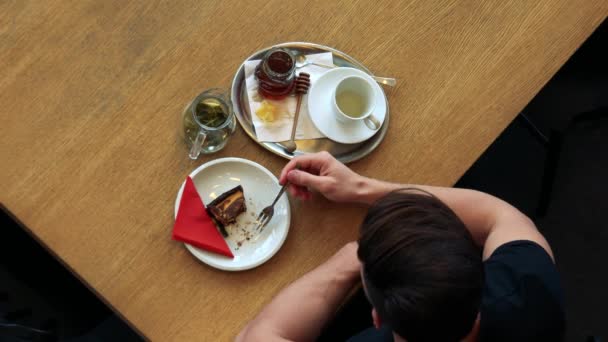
{"x": 552, "y": 168}
{"x": 37, "y": 291}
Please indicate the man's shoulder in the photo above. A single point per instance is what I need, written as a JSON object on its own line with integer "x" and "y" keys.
{"x": 522, "y": 297}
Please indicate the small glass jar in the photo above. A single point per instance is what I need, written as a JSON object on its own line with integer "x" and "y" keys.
{"x": 276, "y": 74}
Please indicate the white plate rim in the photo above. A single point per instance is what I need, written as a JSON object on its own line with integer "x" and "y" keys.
{"x": 355, "y": 72}
{"x": 211, "y": 262}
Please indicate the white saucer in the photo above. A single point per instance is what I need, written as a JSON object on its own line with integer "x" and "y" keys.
{"x": 320, "y": 108}
{"x": 260, "y": 187}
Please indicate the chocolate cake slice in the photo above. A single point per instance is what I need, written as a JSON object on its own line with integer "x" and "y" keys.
{"x": 227, "y": 207}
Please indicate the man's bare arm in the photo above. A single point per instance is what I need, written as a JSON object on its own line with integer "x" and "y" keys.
{"x": 301, "y": 310}
{"x": 491, "y": 221}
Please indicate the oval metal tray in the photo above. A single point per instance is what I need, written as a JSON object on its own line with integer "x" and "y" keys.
{"x": 344, "y": 152}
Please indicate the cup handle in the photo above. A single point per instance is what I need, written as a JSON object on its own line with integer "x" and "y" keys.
{"x": 372, "y": 123}
{"x": 195, "y": 150}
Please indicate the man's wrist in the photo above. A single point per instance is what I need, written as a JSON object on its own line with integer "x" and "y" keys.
{"x": 369, "y": 190}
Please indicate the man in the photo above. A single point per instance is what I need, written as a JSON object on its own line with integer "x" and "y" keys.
{"x": 437, "y": 264}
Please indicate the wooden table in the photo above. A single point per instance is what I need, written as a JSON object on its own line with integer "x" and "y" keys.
{"x": 91, "y": 91}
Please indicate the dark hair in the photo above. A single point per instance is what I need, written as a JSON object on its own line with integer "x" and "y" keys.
{"x": 421, "y": 269}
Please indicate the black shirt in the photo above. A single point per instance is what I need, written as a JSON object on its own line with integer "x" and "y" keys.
{"x": 521, "y": 299}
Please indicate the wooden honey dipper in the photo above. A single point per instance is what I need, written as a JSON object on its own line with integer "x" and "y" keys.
{"x": 301, "y": 88}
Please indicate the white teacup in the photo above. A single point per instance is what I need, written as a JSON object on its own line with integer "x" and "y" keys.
{"x": 354, "y": 99}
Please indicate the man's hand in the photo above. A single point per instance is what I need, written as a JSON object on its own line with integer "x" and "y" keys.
{"x": 321, "y": 172}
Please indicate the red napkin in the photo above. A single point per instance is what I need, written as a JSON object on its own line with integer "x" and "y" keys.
{"x": 194, "y": 226}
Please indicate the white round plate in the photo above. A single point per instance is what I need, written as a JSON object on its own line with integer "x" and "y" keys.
{"x": 260, "y": 187}
{"x": 321, "y": 109}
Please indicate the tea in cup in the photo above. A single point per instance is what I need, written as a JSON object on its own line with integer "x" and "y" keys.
{"x": 354, "y": 99}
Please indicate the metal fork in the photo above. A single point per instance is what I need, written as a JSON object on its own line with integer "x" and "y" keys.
{"x": 266, "y": 214}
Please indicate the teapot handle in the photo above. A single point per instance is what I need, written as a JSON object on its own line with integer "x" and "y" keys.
{"x": 195, "y": 150}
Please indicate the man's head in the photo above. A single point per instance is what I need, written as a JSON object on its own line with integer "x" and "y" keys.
{"x": 422, "y": 271}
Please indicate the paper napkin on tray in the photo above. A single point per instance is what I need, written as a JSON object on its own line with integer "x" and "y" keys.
{"x": 194, "y": 226}
{"x": 280, "y": 130}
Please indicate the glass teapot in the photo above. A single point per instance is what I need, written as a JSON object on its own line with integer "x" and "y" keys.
{"x": 208, "y": 122}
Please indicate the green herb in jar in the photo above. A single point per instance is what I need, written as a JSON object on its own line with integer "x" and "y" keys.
{"x": 211, "y": 113}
